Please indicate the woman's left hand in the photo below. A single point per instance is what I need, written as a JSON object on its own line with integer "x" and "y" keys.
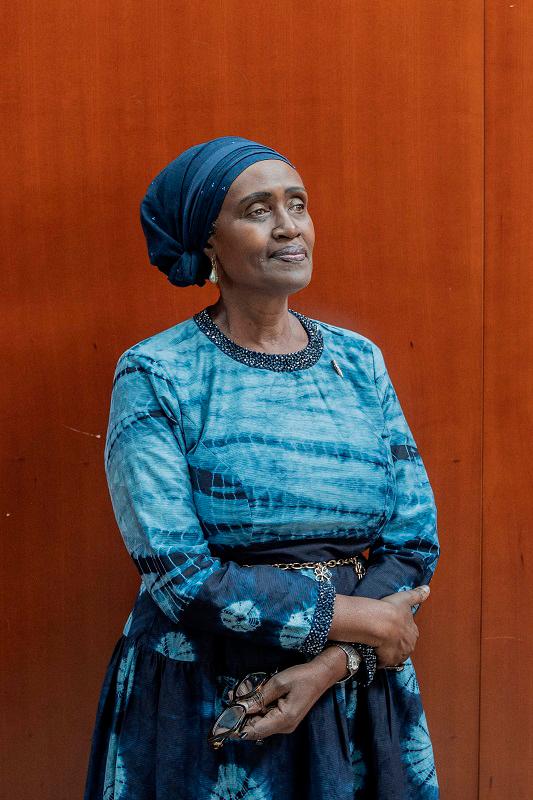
{"x": 291, "y": 693}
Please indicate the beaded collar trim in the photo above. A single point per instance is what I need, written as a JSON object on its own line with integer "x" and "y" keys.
{"x": 279, "y": 362}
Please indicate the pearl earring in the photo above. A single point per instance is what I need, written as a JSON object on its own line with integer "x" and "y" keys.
{"x": 213, "y": 277}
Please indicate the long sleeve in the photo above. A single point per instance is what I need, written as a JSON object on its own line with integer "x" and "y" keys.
{"x": 407, "y": 550}
{"x": 152, "y": 497}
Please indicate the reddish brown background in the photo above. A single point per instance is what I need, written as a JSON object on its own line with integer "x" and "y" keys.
{"x": 410, "y": 123}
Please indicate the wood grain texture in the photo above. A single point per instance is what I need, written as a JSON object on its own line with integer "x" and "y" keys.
{"x": 380, "y": 105}
{"x": 506, "y": 747}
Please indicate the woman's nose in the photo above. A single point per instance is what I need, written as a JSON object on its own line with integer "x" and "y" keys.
{"x": 285, "y": 225}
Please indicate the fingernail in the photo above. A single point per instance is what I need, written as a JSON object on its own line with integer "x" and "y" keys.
{"x": 425, "y": 589}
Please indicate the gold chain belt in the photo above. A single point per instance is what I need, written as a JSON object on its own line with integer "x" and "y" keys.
{"x": 320, "y": 567}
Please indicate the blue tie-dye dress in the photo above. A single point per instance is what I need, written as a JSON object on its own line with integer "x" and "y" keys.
{"x": 218, "y": 456}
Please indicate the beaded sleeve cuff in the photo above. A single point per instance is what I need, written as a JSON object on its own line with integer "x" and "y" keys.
{"x": 317, "y": 637}
{"x": 367, "y": 669}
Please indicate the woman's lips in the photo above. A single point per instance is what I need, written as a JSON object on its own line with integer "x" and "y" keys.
{"x": 290, "y": 256}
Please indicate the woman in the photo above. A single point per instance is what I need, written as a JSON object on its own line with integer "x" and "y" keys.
{"x": 244, "y": 442}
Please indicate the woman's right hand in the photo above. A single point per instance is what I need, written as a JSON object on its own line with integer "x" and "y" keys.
{"x": 387, "y": 624}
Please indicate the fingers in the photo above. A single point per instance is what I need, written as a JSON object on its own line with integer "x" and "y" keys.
{"x": 416, "y": 596}
{"x": 389, "y": 661}
{"x": 264, "y": 720}
{"x": 275, "y": 720}
{"x": 413, "y": 597}
{"x": 271, "y": 691}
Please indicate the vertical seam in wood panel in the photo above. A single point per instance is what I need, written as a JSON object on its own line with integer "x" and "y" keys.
{"x": 482, "y": 384}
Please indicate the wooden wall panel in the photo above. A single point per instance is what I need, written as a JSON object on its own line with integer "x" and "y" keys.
{"x": 507, "y": 644}
{"x": 409, "y": 215}
{"x": 380, "y": 104}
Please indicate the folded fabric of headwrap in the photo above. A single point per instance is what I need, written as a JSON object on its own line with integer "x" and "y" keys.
{"x": 184, "y": 200}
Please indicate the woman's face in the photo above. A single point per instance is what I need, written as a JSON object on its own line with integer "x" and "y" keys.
{"x": 264, "y": 212}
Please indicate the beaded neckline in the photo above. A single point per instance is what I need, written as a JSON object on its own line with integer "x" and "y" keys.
{"x": 279, "y": 362}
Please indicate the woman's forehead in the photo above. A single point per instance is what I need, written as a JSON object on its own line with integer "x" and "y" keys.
{"x": 269, "y": 175}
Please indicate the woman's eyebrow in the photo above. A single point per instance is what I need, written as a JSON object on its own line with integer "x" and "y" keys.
{"x": 265, "y": 195}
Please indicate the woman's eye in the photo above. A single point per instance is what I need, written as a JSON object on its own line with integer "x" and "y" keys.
{"x": 295, "y": 206}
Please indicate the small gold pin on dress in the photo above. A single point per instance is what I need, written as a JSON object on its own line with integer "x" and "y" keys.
{"x": 337, "y": 368}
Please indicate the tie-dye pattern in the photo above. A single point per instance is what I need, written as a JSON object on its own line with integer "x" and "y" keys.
{"x": 205, "y": 456}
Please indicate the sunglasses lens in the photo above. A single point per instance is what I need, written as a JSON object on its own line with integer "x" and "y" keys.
{"x": 228, "y": 720}
{"x": 249, "y": 684}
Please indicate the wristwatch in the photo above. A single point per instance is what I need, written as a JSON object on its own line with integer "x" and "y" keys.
{"x": 353, "y": 659}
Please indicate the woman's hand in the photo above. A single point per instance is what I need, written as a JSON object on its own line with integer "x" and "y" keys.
{"x": 386, "y": 624}
{"x": 399, "y": 642}
{"x": 291, "y": 693}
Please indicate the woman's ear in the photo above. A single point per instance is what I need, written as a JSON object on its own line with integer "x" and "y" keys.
{"x": 208, "y": 249}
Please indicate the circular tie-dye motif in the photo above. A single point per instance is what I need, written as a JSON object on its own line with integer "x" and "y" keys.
{"x": 175, "y": 645}
{"x": 115, "y": 780}
{"x": 234, "y": 784}
{"x": 417, "y": 753}
{"x": 359, "y": 767}
{"x": 241, "y": 616}
{"x": 407, "y": 678}
{"x": 125, "y": 673}
{"x": 351, "y": 699}
{"x": 296, "y": 628}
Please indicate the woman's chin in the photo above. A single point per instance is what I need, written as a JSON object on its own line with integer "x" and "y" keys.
{"x": 295, "y": 271}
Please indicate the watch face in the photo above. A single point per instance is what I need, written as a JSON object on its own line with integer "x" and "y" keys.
{"x": 352, "y": 662}
{"x": 353, "y": 659}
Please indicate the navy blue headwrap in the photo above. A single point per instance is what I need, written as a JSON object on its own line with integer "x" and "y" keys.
{"x": 184, "y": 200}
